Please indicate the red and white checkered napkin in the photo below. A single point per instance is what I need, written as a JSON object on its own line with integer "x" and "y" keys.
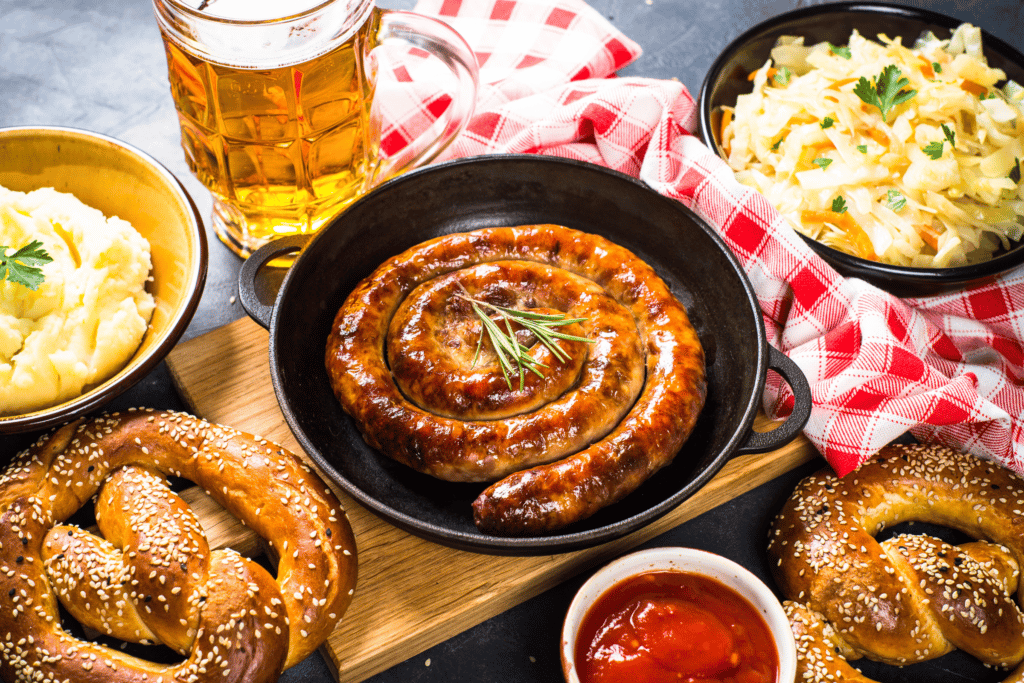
{"x": 949, "y": 368}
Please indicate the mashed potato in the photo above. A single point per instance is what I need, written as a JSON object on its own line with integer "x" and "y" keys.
{"x": 88, "y": 317}
{"x": 933, "y": 182}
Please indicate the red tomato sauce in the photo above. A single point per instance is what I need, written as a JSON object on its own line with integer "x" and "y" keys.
{"x": 676, "y": 627}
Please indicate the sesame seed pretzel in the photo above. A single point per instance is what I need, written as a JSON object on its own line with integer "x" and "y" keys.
{"x": 910, "y": 598}
{"x": 152, "y": 577}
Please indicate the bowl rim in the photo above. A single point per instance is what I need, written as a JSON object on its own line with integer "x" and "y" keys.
{"x": 692, "y": 560}
{"x": 856, "y": 266}
{"x": 1000, "y": 263}
{"x": 136, "y": 369}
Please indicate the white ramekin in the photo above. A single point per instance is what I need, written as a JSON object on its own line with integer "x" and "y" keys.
{"x": 684, "y": 560}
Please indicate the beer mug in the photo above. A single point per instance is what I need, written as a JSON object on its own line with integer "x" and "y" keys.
{"x": 276, "y": 112}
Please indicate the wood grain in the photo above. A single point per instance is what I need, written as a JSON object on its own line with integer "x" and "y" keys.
{"x": 401, "y": 606}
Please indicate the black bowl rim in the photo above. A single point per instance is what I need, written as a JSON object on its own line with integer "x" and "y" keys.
{"x": 113, "y": 387}
{"x": 557, "y": 542}
{"x": 961, "y": 275}
{"x": 861, "y": 266}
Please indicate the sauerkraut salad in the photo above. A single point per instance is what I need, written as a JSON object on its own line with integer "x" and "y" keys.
{"x": 904, "y": 155}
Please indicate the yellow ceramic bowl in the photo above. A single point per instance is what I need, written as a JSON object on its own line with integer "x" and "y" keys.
{"x": 118, "y": 180}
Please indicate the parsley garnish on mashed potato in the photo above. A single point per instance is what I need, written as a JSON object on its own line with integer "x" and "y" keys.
{"x": 932, "y": 125}
{"x": 24, "y": 265}
{"x": 90, "y": 310}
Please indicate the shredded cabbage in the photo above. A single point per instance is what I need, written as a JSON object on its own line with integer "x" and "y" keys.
{"x": 933, "y": 183}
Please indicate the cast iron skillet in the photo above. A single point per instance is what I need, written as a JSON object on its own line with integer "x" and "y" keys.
{"x": 727, "y": 79}
{"x": 515, "y": 190}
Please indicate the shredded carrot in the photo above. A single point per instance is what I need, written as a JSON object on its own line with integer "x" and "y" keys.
{"x": 975, "y": 89}
{"x": 836, "y": 85}
{"x": 844, "y": 221}
{"x": 928, "y": 234}
{"x": 878, "y": 136}
{"x": 812, "y": 152}
{"x": 862, "y": 241}
{"x": 726, "y": 118}
{"x": 837, "y": 219}
{"x": 771, "y": 72}
{"x": 926, "y": 68}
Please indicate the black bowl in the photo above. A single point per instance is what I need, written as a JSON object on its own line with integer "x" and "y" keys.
{"x": 727, "y": 79}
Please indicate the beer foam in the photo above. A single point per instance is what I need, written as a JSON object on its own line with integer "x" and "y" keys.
{"x": 256, "y": 34}
{"x": 250, "y": 10}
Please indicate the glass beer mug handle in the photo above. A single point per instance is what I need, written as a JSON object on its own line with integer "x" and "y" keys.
{"x": 440, "y": 40}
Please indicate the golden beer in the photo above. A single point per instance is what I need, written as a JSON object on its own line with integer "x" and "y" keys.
{"x": 282, "y": 136}
{"x": 284, "y": 149}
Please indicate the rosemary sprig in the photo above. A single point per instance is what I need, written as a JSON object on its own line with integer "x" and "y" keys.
{"x": 513, "y": 357}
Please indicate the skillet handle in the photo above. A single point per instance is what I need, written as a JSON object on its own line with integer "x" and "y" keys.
{"x": 762, "y": 442}
{"x": 257, "y": 310}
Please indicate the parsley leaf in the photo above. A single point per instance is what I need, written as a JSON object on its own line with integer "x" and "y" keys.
{"x": 934, "y": 149}
{"x": 936, "y": 67}
{"x": 823, "y": 162}
{"x": 839, "y": 205}
{"x": 838, "y": 51}
{"x": 863, "y": 149}
{"x": 887, "y": 91}
{"x": 895, "y": 201}
{"x": 25, "y": 265}
{"x": 827, "y": 122}
{"x": 950, "y": 135}
{"x": 775, "y": 147}
{"x": 782, "y": 76}
{"x": 1015, "y": 171}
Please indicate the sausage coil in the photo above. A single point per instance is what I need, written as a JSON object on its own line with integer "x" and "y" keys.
{"x": 403, "y": 362}
{"x": 152, "y": 577}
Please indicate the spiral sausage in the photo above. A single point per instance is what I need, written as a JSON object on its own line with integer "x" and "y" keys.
{"x": 401, "y": 361}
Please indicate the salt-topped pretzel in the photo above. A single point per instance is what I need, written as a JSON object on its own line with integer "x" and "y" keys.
{"x": 910, "y": 598}
{"x": 153, "y": 577}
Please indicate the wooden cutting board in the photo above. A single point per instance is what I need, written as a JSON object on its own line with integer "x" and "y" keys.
{"x": 401, "y": 605}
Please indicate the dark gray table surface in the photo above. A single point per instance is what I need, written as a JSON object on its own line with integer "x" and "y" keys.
{"x": 99, "y": 65}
